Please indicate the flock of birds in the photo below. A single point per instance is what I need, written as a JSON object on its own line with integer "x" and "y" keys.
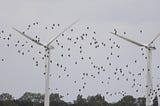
{"x": 85, "y": 48}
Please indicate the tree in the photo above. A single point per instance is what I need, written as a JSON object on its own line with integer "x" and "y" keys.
{"x": 9, "y": 103}
{"x": 6, "y": 96}
{"x": 1, "y": 103}
{"x": 97, "y": 100}
{"x": 33, "y": 97}
{"x": 141, "y": 101}
{"x": 127, "y": 101}
{"x": 55, "y": 97}
{"x": 80, "y": 101}
{"x": 55, "y": 100}
{"x": 155, "y": 101}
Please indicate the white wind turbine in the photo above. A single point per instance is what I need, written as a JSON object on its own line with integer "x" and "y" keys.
{"x": 149, "y": 49}
{"x": 47, "y": 48}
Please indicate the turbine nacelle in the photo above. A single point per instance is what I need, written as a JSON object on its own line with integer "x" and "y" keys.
{"x": 48, "y": 47}
{"x": 151, "y": 47}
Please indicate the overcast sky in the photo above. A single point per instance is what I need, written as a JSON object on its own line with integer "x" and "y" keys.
{"x": 19, "y": 73}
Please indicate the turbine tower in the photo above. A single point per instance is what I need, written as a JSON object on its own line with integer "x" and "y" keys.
{"x": 47, "y": 48}
{"x": 149, "y": 49}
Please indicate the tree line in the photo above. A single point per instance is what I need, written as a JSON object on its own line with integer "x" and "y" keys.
{"x": 37, "y": 99}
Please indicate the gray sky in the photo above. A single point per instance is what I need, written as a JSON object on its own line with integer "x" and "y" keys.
{"x": 19, "y": 73}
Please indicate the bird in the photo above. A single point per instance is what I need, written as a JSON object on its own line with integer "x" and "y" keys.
{"x": 2, "y": 59}
{"x": 76, "y": 62}
{"x": 115, "y": 31}
{"x": 140, "y": 31}
{"x": 2, "y": 31}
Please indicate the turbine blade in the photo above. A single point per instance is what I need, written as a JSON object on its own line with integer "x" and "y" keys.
{"x": 154, "y": 39}
{"x": 28, "y": 37}
{"x": 53, "y": 39}
{"x": 129, "y": 40}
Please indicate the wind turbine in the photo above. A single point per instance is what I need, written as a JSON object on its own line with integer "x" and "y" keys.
{"x": 149, "y": 49}
{"x": 47, "y": 48}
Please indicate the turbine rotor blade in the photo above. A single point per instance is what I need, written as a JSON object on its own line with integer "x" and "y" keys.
{"x": 129, "y": 40}
{"x": 28, "y": 37}
{"x": 154, "y": 39}
{"x": 53, "y": 39}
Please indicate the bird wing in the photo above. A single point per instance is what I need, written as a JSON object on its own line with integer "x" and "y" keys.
{"x": 154, "y": 39}
{"x": 53, "y": 39}
{"x": 28, "y": 37}
{"x": 134, "y": 42}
